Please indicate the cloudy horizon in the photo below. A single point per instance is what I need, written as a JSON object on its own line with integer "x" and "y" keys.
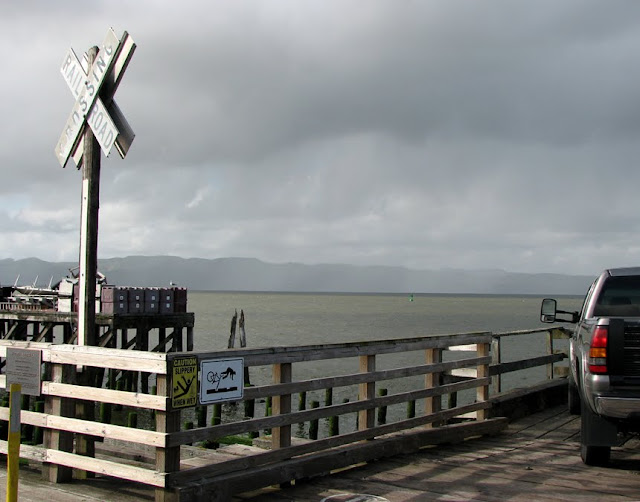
{"x": 429, "y": 135}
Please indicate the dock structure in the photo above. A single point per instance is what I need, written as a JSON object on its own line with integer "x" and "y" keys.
{"x": 437, "y": 390}
{"x": 150, "y": 332}
{"x": 535, "y": 458}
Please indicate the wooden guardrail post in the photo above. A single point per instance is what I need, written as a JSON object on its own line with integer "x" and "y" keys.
{"x": 190, "y": 343}
{"x": 367, "y": 390}
{"x": 496, "y": 359}
{"x": 143, "y": 336}
{"x": 55, "y": 439}
{"x": 550, "y": 352}
{"x": 482, "y": 392}
{"x": 85, "y": 410}
{"x": 167, "y": 459}
{"x": 433, "y": 404}
{"x": 281, "y": 405}
{"x": 177, "y": 340}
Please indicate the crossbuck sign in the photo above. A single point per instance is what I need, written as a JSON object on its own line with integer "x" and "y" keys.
{"x": 93, "y": 89}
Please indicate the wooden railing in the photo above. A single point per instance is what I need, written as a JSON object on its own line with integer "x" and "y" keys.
{"x": 499, "y": 367}
{"x": 411, "y": 367}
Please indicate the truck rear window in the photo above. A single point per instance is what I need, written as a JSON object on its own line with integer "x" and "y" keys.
{"x": 620, "y": 297}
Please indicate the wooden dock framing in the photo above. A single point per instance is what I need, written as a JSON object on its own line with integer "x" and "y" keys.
{"x": 536, "y": 458}
{"x": 454, "y": 437}
{"x": 149, "y": 332}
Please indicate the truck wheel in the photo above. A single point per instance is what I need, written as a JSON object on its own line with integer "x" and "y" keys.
{"x": 573, "y": 399}
{"x": 595, "y": 455}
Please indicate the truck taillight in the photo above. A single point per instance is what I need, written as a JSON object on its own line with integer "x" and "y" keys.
{"x": 598, "y": 350}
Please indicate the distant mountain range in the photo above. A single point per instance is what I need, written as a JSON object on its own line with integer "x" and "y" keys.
{"x": 248, "y": 274}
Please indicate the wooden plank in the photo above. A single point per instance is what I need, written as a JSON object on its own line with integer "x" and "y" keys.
{"x": 99, "y": 466}
{"x": 201, "y": 434}
{"x": 102, "y": 357}
{"x": 537, "y": 471}
{"x": 263, "y": 391}
{"x": 44, "y": 346}
{"x": 470, "y": 347}
{"x": 148, "y": 401}
{"x": 534, "y": 418}
{"x": 164, "y": 340}
{"x": 464, "y": 483}
{"x": 273, "y": 456}
{"x": 522, "y": 364}
{"x": 48, "y": 421}
{"x": 274, "y": 355}
{"x": 465, "y": 372}
{"x": 305, "y": 466}
{"x": 532, "y": 331}
{"x": 524, "y": 391}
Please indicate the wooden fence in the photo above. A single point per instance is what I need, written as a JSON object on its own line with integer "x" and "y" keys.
{"x": 414, "y": 368}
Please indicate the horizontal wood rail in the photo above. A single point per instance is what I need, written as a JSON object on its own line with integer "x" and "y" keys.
{"x": 415, "y": 382}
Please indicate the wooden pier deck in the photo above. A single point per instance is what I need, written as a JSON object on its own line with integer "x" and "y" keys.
{"x": 536, "y": 458}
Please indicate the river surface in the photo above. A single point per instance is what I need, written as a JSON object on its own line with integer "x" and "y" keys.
{"x": 281, "y": 319}
{"x": 286, "y": 319}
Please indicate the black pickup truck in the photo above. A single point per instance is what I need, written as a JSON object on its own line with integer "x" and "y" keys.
{"x": 604, "y": 381}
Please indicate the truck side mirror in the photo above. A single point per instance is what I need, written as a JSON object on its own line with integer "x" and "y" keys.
{"x": 548, "y": 310}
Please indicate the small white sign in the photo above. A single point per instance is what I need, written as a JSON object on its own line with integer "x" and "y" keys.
{"x": 23, "y": 367}
{"x": 221, "y": 380}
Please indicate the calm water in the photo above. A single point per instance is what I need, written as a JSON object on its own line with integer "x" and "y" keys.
{"x": 275, "y": 319}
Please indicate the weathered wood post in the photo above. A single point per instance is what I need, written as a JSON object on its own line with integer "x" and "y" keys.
{"x": 482, "y": 392}
{"x": 243, "y": 334}
{"x": 85, "y": 445}
{"x": 313, "y": 424}
{"x": 243, "y": 343}
{"x": 367, "y": 391}
{"x": 55, "y": 439}
{"x": 432, "y": 380}
{"x": 550, "y": 353}
{"x": 190, "y": 338}
{"x": 167, "y": 459}
{"x": 91, "y": 85}
{"x": 281, "y": 436}
{"x": 89, "y": 232}
{"x": 382, "y": 410}
{"x": 496, "y": 359}
{"x": 232, "y": 331}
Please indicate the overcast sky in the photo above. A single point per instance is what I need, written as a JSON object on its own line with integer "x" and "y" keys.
{"x": 432, "y": 134}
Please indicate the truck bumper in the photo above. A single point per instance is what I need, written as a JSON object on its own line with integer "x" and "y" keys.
{"x": 617, "y": 407}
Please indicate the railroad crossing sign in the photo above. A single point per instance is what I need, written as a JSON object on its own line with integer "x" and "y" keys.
{"x": 93, "y": 82}
{"x": 93, "y": 89}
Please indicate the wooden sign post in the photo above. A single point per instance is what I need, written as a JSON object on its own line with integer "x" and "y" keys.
{"x": 93, "y": 85}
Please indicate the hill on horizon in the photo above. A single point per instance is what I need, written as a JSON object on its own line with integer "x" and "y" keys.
{"x": 250, "y": 274}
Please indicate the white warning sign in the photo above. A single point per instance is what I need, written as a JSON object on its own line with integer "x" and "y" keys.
{"x": 221, "y": 380}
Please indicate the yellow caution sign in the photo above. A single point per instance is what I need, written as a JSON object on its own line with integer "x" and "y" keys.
{"x": 184, "y": 391}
